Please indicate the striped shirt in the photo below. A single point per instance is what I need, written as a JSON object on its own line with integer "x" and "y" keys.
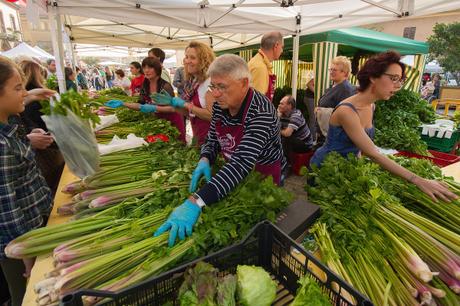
{"x": 261, "y": 143}
{"x": 297, "y": 123}
{"x": 24, "y": 195}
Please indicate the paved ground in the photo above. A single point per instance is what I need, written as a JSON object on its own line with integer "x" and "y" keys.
{"x": 296, "y": 185}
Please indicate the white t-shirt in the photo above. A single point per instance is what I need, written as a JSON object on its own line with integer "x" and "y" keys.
{"x": 202, "y": 90}
{"x": 124, "y": 83}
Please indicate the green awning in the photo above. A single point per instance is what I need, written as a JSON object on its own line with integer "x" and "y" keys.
{"x": 350, "y": 41}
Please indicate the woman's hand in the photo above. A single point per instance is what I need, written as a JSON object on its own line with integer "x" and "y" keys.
{"x": 38, "y": 94}
{"x": 435, "y": 189}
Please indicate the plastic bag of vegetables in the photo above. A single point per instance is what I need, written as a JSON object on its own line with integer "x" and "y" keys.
{"x": 74, "y": 138}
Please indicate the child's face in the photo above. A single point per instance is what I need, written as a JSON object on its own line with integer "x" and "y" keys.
{"x": 12, "y": 97}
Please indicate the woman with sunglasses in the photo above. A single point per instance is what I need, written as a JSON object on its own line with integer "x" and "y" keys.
{"x": 351, "y": 127}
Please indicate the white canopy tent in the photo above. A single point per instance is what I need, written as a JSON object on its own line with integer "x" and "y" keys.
{"x": 223, "y": 23}
{"x": 46, "y": 54}
{"x": 23, "y": 49}
{"x": 111, "y": 63}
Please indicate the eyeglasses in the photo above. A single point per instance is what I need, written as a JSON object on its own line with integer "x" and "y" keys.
{"x": 396, "y": 78}
{"x": 219, "y": 87}
{"x": 334, "y": 70}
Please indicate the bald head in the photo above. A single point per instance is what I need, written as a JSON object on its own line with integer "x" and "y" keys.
{"x": 269, "y": 40}
{"x": 272, "y": 45}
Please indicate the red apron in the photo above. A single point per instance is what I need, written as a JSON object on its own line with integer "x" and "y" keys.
{"x": 200, "y": 127}
{"x": 271, "y": 87}
{"x": 176, "y": 120}
{"x": 229, "y": 138}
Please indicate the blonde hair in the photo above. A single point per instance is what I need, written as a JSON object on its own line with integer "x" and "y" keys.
{"x": 206, "y": 57}
{"x": 344, "y": 62}
{"x": 33, "y": 73}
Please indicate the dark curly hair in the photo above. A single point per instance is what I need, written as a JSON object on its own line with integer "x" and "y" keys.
{"x": 376, "y": 66}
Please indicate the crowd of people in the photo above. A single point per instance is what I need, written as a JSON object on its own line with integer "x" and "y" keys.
{"x": 229, "y": 104}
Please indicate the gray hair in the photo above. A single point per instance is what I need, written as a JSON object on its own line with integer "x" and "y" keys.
{"x": 291, "y": 101}
{"x": 270, "y": 39}
{"x": 229, "y": 65}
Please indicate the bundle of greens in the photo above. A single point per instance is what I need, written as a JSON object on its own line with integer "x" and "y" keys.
{"x": 309, "y": 293}
{"x": 151, "y": 126}
{"x": 114, "y": 248}
{"x": 73, "y": 101}
{"x": 397, "y": 122}
{"x": 52, "y": 82}
{"x": 371, "y": 235}
{"x": 457, "y": 118}
{"x": 114, "y": 93}
{"x": 131, "y": 173}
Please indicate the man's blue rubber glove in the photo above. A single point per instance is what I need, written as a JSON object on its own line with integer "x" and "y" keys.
{"x": 203, "y": 168}
{"x": 166, "y": 99}
{"x": 114, "y": 103}
{"x": 148, "y": 108}
{"x": 180, "y": 221}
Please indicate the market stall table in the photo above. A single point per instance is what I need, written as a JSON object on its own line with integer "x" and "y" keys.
{"x": 44, "y": 264}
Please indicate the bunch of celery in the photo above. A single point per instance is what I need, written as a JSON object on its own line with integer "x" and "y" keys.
{"x": 370, "y": 235}
{"x": 132, "y": 173}
{"x": 125, "y": 253}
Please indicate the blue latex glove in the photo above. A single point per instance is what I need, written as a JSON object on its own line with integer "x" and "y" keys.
{"x": 148, "y": 108}
{"x": 114, "y": 103}
{"x": 165, "y": 99}
{"x": 203, "y": 168}
{"x": 180, "y": 221}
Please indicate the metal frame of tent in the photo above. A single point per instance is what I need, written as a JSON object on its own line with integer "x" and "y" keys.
{"x": 231, "y": 21}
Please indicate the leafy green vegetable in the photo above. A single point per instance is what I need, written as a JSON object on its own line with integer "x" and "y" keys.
{"x": 226, "y": 291}
{"x": 112, "y": 91}
{"x": 457, "y": 118}
{"x": 309, "y": 294}
{"x": 73, "y": 101}
{"x": 397, "y": 122}
{"x": 52, "y": 82}
{"x": 255, "y": 286}
{"x": 382, "y": 234}
{"x": 200, "y": 286}
{"x": 143, "y": 128}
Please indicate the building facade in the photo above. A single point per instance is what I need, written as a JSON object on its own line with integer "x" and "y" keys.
{"x": 415, "y": 28}
{"x": 10, "y": 26}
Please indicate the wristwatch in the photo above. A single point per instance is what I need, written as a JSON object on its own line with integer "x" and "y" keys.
{"x": 199, "y": 200}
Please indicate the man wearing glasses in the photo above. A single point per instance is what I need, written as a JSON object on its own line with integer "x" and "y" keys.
{"x": 245, "y": 129}
{"x": 341, "y": 89}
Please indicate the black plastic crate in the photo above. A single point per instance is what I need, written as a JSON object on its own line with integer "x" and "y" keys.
{"x": 266, "y": 246}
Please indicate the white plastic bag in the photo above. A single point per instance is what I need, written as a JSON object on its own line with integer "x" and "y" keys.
{"x": 106, "y": 121}
{"x": 76, "y": 141}
{"x": 119, "y": 144}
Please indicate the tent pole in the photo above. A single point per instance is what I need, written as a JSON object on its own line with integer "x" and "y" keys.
{"x": 295, "y": 57}
{"x": 74, "y": 61}
{"x": 56, "y": 38}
